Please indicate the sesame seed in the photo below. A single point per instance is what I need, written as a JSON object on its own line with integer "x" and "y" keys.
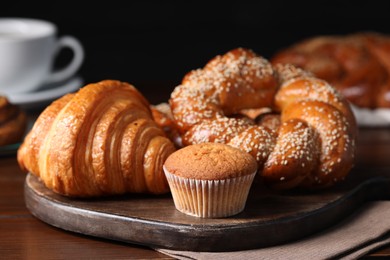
{"x": 316, "y": 136}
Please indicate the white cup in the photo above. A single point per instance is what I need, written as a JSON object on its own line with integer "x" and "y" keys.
{"x": 28, "y": 49}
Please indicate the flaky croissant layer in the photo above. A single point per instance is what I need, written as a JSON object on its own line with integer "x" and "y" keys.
{"x": 99, "y": 141}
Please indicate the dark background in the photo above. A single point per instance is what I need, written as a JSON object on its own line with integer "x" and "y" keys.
{"x": 152, "y": 44}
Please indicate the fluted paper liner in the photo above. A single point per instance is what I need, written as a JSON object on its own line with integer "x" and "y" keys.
{"x": 210, "y": 198}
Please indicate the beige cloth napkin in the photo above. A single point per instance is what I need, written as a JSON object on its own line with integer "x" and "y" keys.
{"x": 365, "y": 230}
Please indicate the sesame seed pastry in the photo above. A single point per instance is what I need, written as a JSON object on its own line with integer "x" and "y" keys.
{"x": 308, "y": 140}
{"x": 98, "y": 141}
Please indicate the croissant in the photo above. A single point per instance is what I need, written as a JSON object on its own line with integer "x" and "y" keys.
{"x": 98, "y": 141}
{"x": 357, "y": 64}
{"x": 13, "y": 122}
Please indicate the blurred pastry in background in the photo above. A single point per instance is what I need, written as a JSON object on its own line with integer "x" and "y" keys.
{"x": 357, "y": 64}
{"x": 162, "y": 115}
{"x": 13, "y": 122}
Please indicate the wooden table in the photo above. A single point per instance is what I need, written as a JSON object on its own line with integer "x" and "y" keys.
{"x": 24, "y": 236}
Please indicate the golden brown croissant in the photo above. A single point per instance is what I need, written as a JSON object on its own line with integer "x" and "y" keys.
{"x": 13, "y": 122}
{"x": 99, "y": 141}
{"x": 358, "y": 64}
{"x": 312, "y": 146}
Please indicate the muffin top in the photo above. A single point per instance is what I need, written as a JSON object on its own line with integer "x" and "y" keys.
{"x": 210, "y": 161}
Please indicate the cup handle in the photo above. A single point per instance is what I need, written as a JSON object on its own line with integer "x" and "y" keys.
{"x": 78, "y": 58}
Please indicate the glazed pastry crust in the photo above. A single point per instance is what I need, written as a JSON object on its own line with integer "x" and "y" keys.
{"x": 305, "y": 139}
{"x": 357, "y": 64}
{"x": 98, "y": 141}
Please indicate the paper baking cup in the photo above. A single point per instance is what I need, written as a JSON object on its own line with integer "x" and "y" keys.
{"x": 210, "y": 198}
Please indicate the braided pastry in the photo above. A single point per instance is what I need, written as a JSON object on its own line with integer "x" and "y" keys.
{"x": 358, "y": 64}
{"x": 99, "y": 141}
{"x": 311, "y": 140}
{"x": 13, "y": 122}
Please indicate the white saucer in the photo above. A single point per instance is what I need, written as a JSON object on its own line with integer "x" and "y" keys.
{"x": 46, "y": 94}
{"x": 372, "y": 117}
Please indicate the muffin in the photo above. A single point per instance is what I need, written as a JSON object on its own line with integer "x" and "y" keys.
{"x": 210, "y": 180}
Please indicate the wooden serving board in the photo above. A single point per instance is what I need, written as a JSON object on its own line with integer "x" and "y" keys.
{"x": 269, "y": 218}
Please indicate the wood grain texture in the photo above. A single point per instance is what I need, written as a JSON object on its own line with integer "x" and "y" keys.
{"x": 270, "y": 218}
{"x": 24, "y": 235}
